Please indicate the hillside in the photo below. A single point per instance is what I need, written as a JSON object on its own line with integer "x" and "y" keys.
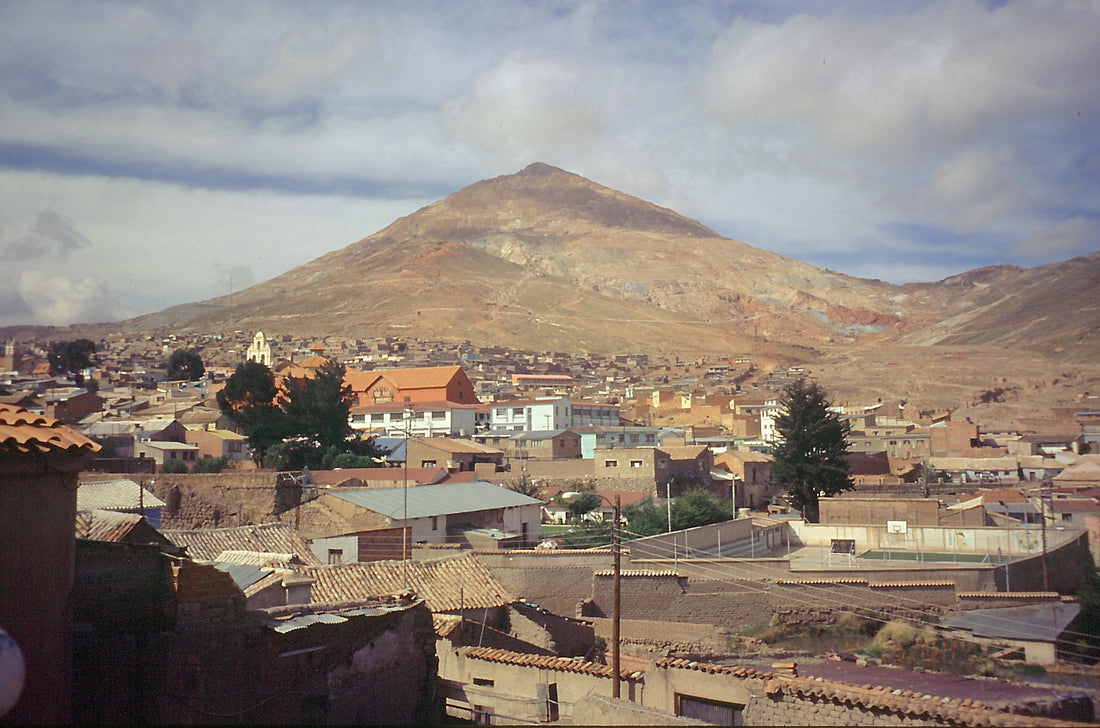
{"x": 548, "y": 260}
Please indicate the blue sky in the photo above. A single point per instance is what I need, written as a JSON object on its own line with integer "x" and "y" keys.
{"x": 157, "y": 153}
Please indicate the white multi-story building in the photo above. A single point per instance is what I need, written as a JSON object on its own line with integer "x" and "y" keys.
{"x": 421, "y": 419}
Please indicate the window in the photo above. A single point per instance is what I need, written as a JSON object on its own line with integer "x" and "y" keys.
{"x": 484, "y": 682}
{"x": 611, "y": 463}
{"x": 439, "y": 415}
{"x": 1067, "y": 517}
{"x": 336, "y": 556}
{"x": 635, "y": 463}
{"x": 500, "y": 412}
{"x": 517, "y": 412}
{"x": 380, "y": 395}
{"x": 427, "y": 463}
{"x": 709, "y": 711}
{"x": 435, "y": 523}
{"x": 378, "y": 417}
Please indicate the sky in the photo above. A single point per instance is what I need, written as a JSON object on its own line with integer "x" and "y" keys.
{"x": 159, "y": 153}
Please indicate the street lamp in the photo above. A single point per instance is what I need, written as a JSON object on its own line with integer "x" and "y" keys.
{"x": 406, "y": 417}
{"x": 616, "y": 592}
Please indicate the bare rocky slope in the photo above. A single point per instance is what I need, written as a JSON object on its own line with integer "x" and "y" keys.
{"x": 547, "y": 260}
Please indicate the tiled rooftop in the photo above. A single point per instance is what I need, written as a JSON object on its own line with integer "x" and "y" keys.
{"x": 105, "y": 525}
{"x": 543, "y": 662}
{"x": 205, "y": 544}
{"x": 112, "y": 495}
{"x": 955, "y": 711}
{"x": 23, "y": 432}
{"x": 447, "y": 584}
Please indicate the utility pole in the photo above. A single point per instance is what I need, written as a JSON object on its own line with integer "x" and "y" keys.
{"x": 1043, "y": 516}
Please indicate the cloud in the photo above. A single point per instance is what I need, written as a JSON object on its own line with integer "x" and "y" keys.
{"x": 59, "y": 300}
{"x": 1065, "y": 238}
{"x": 53, "y": 235}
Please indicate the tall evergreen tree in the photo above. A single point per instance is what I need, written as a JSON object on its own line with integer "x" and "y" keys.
{"x": 810, "y": 453}
{"x": 185, "y": 364}
{"x": 249, "y": 399}
{"x": 317, "y": 407}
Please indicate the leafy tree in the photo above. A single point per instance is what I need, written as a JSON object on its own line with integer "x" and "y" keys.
{"x": 185, "y": 364}
{"x": 695, "y": 508}
{"x": 586, "y": 503}
{"x": 71, "y": 358}
{"x": 249, "y": 398}
{"x": 317, "y": 407}
{"x": 173, "y": 466}
{"x": 92, "y": 385}
{"x": 810, "y": 453}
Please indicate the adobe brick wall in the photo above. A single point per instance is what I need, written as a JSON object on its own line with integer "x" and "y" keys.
{"x": 367, "y": 670}
{"x": 204, "y": 593}
{"x": 123, "y": 587}
{"x": 558, "y": 581}
{"x": 216, "y": 500}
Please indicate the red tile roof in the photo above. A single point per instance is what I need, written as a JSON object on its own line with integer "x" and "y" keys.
{"x": 543, "y": 662}
{"x": 445, "y": 585}
{"x": 23, "y": 432}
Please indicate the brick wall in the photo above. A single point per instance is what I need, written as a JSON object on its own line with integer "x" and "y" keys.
{"x": 123, "y": 587}
{"x": 368, "y": 670}
{"x": 216, "y": 500}
{"x": 204, "y": 593}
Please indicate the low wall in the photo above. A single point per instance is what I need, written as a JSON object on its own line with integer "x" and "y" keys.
{"x": 665, "y": 545}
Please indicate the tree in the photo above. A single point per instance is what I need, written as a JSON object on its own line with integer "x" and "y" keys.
{"x": 810, "y": 453}
{"x": 173, "y": 466}
{"x": 185, "y": 364}
{"x": 71, "y": 358}
{"x": 317, "y": 407}
{"x": 697, "y": 507}
{"x": 249, "y": 398}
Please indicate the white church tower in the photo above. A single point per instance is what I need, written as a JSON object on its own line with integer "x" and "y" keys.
{"x": 260, "y": 350}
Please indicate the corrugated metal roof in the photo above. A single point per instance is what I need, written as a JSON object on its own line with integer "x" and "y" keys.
{"x": 114, "y": 495}
{"x": 435, "y": 500}
{"x": 23, "y": 432}
{"x": 205, "y": 544}
{"x": 244, "y": 575}
{"x": 445, "y": 585}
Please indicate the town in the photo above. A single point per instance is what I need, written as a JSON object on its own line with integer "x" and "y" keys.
{"x": 520, "y": 542}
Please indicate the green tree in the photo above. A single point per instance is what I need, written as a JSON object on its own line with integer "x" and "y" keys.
{"x": 249, "y": 398}
{"x": 697, "y": 507}
{"x": 317, "y": 407}
{"x": 71, "y": 358}
{"x": 810, "y": 453}
{"x": 185, "y": 364}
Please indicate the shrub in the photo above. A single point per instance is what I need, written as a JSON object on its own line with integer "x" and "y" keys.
{"x": 173, "y": 466}
{"x": 900, "y": 632}
{"x": 210, "y": 465}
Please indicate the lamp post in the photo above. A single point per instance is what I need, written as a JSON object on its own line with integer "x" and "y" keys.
{"x": 406, "y": 416}
{"x": 616, "y": 591}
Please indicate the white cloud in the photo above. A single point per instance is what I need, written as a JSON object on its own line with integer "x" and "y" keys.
{"x": 1065, "y": 238}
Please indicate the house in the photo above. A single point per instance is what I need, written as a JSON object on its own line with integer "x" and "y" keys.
{"x": 523, "y": 415}
{"x": 72, "y": 405}
{"x": 163, "y": 452}
{"x": 438, "y": 514}
{"x": 40, "y": 460}
{"x": 120, "y": 496}
{"x": 423, "y": 384}
{"x": 1036, "y": 628}
{"x": 595, "y": 438}
{"x": 215, "y": 443}
{"x": 427, "y": 418}
{"x": 452, "y": 454}
{"x": 537, "y": 445}
{"x": 689, "y": 465}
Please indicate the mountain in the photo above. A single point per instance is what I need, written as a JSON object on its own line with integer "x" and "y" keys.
{"x": 545, "y": 259}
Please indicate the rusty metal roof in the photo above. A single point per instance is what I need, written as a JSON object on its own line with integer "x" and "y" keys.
{"x": 23, "y": 432}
